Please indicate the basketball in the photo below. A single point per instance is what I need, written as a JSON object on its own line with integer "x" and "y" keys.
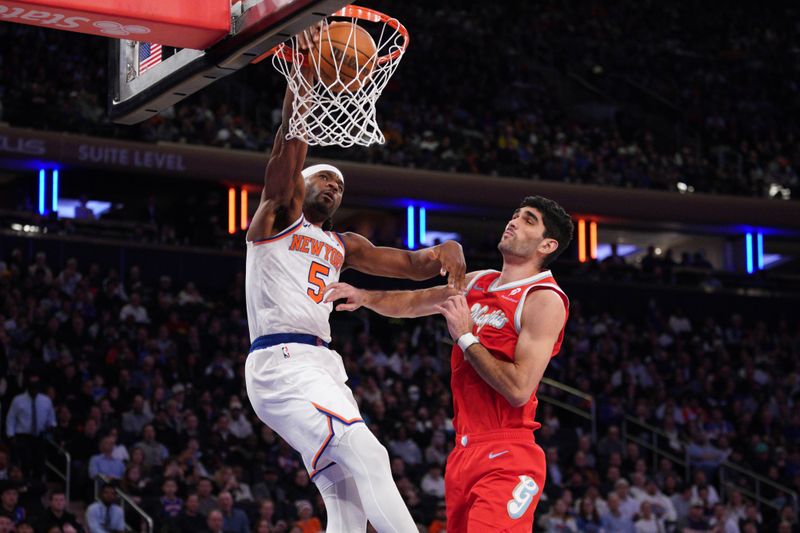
{"x": 348, "y": 49}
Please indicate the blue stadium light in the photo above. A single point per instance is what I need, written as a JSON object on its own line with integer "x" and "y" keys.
{"x": 760, "y": 250}
{"x": 748, "y": 248}
{"x": 55, "y": 190}
{"x": 410, "y": 223}
{"x": 423, "y": 226}
{"x": 41, "y": 191}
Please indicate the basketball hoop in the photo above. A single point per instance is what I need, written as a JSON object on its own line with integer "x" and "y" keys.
{"x": 338, "y": 107}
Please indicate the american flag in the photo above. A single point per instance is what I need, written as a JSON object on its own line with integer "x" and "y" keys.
{"x": 149, "y": 56}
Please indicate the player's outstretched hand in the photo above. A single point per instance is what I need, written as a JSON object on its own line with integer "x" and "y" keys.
{"x": 355, "y": 298}
{"x": 450, "y": 255}
{"x": 456, "y": 311}
{"x": 308, "y": 39}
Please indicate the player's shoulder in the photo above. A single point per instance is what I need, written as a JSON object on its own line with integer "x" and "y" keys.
{"x": 472, "y": 279}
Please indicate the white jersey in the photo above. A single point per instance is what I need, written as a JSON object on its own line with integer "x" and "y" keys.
{"x": 285, "y": 277}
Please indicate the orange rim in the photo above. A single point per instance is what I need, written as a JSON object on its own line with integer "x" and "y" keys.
{"x": 362, "y": 13}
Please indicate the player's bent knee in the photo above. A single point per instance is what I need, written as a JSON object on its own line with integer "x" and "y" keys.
{"x": 359, "y": 448}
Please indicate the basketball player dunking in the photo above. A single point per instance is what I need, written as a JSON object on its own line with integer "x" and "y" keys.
{"x": 295, "y": 383}
{"x": 507, "y": 325}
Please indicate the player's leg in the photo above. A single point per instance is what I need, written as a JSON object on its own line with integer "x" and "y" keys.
{"x": 311, "y": 408}
{"x": 456, "y": 481}
{"x": 360, "y": 454}
{"x": 342, "y": 501}
{"x": 505, "y": 498}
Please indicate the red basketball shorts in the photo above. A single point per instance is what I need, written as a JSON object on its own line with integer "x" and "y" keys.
{"x": 493, "y": 482}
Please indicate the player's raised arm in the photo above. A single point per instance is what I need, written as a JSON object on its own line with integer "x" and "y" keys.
{"x": 284, "y": 189}
{"x": 445, "y": 259}
{"x": 396, "y": 304}
{"x": 542, "y": 321}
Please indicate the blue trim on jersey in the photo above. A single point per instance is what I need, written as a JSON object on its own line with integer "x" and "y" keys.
{"x": 282, "y": 233}
{"x": 341, "y": 241}
{"x": 265, "y": 341}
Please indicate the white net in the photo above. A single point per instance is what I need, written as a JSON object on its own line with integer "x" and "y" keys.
{"x": 337, "y": 107}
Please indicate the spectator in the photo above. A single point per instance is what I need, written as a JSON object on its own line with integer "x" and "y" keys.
{"x": 205, "y": 496}
{"x": 215, "y": 523}
{"x": 721, "y": 522}
{"x": 306, "y": 521}
{"x": 702, "y": 454}
{"x": 9, "y": 503}
{"x": 133, "y": 421}
{"x": 31, "y": 414}
{"x": 647, "y": 521}
{"x": 190, "y": 518}
{"x": 702, "y": 487}
{"x": 628, "y": 505}
{"x": 558, "y": 519}
{"x": 235, "y": 521}
{"x": 171, "y": 504}
{"x": 266, "y": 514}
{"x": 154, "y": 452}
{"x": 104, "y": 464}
{"x": 190, "y": 296}
{"x": 57, "y": 514}
{"x": 105, "y": 516}
{"x": 588, "y": 519}
{"x": 439, "y": 523}
{"x": 695, "y": 521}
{"x": 613, "y": 519}
{"x": 660, "y": 505}
{"x": 433, "y": 482}
{"x": 239, "y": 426}
{"x": 436, "y": 453}
{"x": 69, "y": 278}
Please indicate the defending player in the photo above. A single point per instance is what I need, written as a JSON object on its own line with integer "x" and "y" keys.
{"x": 295, "y": 383}
{"x": 507, "y": 325}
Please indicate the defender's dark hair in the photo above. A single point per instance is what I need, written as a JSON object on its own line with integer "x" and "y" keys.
{"x": 557, "y": 223}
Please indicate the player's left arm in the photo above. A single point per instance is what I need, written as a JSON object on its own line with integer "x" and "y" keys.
{"x": 542, "y": 319}
{"x": 446, "y": 258}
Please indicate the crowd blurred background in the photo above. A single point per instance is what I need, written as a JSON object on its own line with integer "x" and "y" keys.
{"x": 138, "y": 373}
{"x": 676, "y": 97}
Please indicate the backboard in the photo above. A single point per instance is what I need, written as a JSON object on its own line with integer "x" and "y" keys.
{"x": 146, "y": 78}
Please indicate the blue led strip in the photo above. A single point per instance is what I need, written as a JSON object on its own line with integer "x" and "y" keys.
{"x": 41, "y": 191}
{"x": 410, "y": 223}
{"x": 748, "y": 250}
{"x": 760, "y": 250}
{"x": 55, "y": 190}
{"x": 423, "y": 226}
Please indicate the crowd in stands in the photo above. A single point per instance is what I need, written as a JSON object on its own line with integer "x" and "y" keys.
{"x": 141, "y": 381}
{"x": 489, "y": 98}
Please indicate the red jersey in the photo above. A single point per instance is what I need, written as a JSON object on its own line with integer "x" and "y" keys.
{"x": 496, "y": 314}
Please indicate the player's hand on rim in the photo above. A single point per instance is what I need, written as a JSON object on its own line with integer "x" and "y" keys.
{"x": 456, "y": 311}
{"x": 355, "y": 298}
{"x": 308, "y": 39}
{"x": 451, "y": 256}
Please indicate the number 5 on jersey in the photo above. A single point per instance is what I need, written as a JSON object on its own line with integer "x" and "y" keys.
{"x": 315, "y": 275}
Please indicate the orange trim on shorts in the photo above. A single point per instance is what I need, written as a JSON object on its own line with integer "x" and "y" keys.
{"x": 331, "y": 415}
{"x": 338, "y": 417}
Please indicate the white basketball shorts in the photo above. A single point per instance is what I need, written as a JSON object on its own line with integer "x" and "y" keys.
{"x": 300, "y": 392}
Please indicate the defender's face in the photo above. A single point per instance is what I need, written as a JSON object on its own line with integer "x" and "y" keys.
{"x": 324, "y": 192}
{"x": 524, "y": 235}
